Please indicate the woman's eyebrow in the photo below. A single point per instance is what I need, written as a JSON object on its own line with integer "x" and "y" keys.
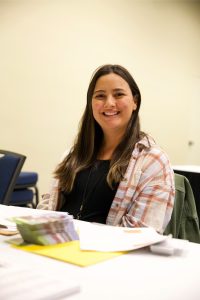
{"x": 99, "y": 91}
{"x": 118, "y": 90}
{"x": 114, "y": 90}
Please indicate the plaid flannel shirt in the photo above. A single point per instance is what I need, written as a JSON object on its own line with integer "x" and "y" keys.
{"x": 144, "y": 197}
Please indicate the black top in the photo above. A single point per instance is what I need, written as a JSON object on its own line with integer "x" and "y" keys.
{"x": 92, "y": 192}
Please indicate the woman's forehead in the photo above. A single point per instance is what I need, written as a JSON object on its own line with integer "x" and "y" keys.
{"x": 111, "y": 81}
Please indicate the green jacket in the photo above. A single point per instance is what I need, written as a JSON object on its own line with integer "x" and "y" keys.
{"x": 184, "y": 223}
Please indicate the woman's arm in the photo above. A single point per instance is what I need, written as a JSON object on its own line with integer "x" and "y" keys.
{"x": 147, "y": 198}
{"x": 49, "y": 200}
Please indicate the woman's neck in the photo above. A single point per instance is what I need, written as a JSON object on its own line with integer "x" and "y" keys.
{"x": 110, "y": 142}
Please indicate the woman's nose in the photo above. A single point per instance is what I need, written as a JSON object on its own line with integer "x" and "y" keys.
{"x": 110, "y": 102}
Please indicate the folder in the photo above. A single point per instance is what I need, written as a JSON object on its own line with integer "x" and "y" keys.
{"x": 70, "y": 252}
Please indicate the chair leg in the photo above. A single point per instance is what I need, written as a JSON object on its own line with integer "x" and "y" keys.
{"x": 36, "y": 197}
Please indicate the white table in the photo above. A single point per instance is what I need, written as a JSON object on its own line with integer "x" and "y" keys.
{"x": 137, "y": 275}
{"x": 187, "y": 168}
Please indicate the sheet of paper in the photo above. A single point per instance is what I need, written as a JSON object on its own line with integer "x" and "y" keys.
{"x": 7, "y": 227}
{"x": 19, "y": 283}
{"x": 4, "y": 223}
{"x": 111, "y": 238}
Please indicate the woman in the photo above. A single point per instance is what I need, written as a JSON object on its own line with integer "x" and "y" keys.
{"x": 114, "y": 173}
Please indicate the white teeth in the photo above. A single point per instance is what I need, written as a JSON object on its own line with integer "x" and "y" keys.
{"x": 110, "y": 113}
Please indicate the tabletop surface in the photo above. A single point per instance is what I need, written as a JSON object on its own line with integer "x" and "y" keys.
{"x": 187, "y": 168}
{"x": 139, "y": 274}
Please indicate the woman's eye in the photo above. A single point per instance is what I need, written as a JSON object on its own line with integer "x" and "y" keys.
{"x": 119, "y": 95}
{"x": 100, "y": 96}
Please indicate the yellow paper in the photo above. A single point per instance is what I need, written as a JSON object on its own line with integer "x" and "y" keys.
{"x": 70, "y": 252}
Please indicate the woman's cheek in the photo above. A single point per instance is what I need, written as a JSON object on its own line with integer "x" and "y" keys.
{"x": 97, "y": 106}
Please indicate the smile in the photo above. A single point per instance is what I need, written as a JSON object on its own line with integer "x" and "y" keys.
{"x": 109, "y": 113}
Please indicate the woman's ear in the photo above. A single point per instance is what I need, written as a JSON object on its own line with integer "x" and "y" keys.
{"x": 134, "y": 104}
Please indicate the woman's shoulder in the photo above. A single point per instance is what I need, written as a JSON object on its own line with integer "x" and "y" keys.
{"x": 152, "y": 151}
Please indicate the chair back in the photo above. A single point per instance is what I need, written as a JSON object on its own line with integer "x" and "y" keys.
{"x": 10, "y": 166}
{"x": 184, "y": 223}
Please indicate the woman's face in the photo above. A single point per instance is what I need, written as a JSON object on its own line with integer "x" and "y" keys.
{"x": 112, "y": 103}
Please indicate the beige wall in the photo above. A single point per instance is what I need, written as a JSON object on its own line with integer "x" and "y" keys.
{"x": 49, "y": 49}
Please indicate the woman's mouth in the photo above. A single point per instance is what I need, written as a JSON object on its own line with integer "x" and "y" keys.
{"x": 110, "y": 113}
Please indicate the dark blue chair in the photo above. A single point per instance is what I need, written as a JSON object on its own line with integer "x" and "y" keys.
{"x": 10, "y": 166}
{"x": 25, "y": 190}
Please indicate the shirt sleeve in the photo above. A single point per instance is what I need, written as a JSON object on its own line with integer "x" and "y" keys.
{"x": 149, "y": 195}
{"x": 49, "y": 200}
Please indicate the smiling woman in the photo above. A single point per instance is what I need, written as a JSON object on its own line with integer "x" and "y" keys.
{"x": 114, "y": 173}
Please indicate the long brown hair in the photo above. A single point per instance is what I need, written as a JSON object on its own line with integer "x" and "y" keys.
{"x": 89, "y": 138}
